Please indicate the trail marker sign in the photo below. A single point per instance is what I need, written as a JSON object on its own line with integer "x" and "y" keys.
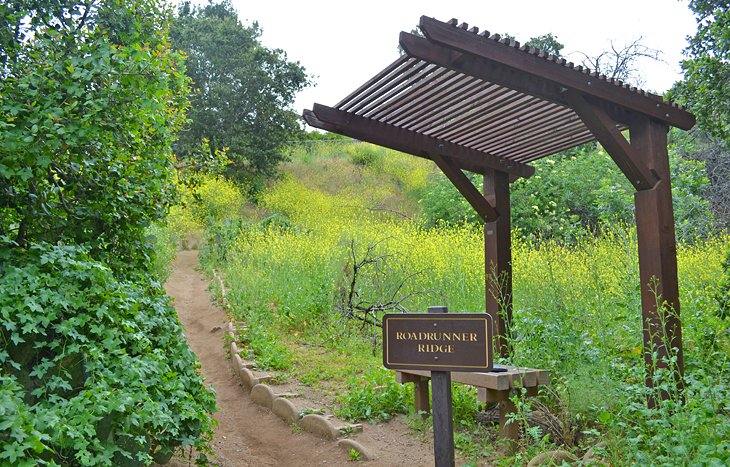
{"x": 437, "y": 341}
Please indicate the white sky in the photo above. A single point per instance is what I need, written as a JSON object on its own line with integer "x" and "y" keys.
{"x": 344, "y": 43}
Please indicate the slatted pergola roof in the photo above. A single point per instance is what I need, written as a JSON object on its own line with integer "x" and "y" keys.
{"x": 476, "y": 102}
{"x": 485, "y": 102}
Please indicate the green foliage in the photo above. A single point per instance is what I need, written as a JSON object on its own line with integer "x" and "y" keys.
{"x": 442, "y": 202}
{"x": 575, "y": 193}
{"x": 89, "y": 109}
{"x": 577, "y": 305}
{"x": 375, "y": 396}
{"x": 242, "y": 90}
{"x": 94, "y": 371}
{"x": 706, "y": 85}
{"x": 723, "y": 295}
{"x": 547, "y": 42}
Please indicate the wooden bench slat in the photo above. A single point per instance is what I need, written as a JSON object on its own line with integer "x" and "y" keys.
{"x": 501, "y": 381}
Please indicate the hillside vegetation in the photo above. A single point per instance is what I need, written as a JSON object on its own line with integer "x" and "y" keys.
{"x": 345, "y": 235}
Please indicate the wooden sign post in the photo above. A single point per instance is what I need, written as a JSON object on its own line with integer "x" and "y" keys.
{"x": 443, "y": 421}
{"x": 440, "y": 343}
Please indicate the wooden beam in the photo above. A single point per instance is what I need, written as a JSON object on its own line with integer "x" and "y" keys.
{"x": 606, "y": 132}
{"x": 493, "y": 72}
{"x": 409, "y": 142}
{"x": 498, "y": 260}
{"x": 662, "y": 327}
{"x": 314, "y": 121}
{"x": 476, "y": 45}
{"x": 466, "y": 188}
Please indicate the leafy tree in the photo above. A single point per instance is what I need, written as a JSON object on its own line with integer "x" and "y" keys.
{"x": 706, "y": 85}
{"x": 94, "y": 369}
{"x": 91, "y": 99}
{"x": 242, "y": 90}
{"x": 546, "y": 42}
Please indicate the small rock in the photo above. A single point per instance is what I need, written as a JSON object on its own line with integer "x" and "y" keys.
{"x": 318, "y": 425}
{"x": 215, "y": 329}
{"x": 262, "y": 395}
{"x": 348, "y": 444}
{"x": 285, "y": 410}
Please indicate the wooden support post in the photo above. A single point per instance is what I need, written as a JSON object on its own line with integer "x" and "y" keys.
{"x": 657, "y": 257}
{"x": 508, "y": 431}
{"x": 422, "y": 399}
{"x": 498, "y": 259}
{"x": 443, "y": 422}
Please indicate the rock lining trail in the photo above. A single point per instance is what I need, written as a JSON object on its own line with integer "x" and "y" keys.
{"x": 247, "y": 435}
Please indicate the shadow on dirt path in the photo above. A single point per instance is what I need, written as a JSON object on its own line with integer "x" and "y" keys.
{"x": 246, "y": 435}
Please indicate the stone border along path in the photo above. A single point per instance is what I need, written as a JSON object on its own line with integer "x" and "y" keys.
{"x": 281, "y": 404}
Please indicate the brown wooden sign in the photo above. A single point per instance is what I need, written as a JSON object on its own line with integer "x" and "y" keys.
{"x": 437, "y": 342}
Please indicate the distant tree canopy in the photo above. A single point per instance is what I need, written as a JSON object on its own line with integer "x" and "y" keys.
{"x": 546, "y": 42}
{"x": 242, "y": 91}
{"x": 706, "y": 85}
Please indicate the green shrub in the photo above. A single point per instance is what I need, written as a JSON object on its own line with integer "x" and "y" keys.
{"x": 375, "y": 396}
{"x": 723, "y": 295}
{"x": 94, "y": 371}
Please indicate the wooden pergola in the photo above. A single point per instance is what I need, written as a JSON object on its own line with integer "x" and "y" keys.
{"x": 473, "y": 101}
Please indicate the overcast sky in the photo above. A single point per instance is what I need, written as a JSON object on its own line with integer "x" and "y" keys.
{"x": 344, "y": 43}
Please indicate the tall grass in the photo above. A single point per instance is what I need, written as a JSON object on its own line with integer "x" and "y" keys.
{"x": 577, "y": 309}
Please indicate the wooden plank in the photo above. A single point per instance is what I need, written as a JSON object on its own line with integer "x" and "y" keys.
{"x": 466, "y": 188}
{"x": 605, "y": 131}
{"x": 347, "y": 101}
{"x": 421, "y": 92}
{"x": 463, "y": 41}
{"x": 497, "y": 73}
{"x": 662, "y": 328}
{"x": 498, "y": 259}
{"x": 499, "y": 381}
{"x": 388, "y": 89}
{"x": 407, "y": 141}
{"x": 434, "y": 96}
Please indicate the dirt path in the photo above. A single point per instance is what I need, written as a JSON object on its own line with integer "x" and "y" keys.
{"x": 247, "y": 435}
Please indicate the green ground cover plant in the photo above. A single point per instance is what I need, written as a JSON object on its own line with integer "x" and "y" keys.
{"x": 95, "y": 371}
{"x": 576, "y": 307}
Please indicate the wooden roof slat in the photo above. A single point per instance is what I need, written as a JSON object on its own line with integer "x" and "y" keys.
{"x": 456, "y": 39}
{"x": 411, "y": 142}
{"x": 516, "y": 123}
{"x": 512, "y": 103}
{"x": 517, "y": 142}
{"x": 421, "y": 91}
{"x": 456, "y": 87}
{"x": 456, "y": 108}
{"x": 552, "y": 146}
{"x": 387, "y": 88}
{"x": 402, "y": 62}
{"x": 436, "y": 110}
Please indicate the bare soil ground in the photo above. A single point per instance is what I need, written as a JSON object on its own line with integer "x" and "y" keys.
{"x": 248, "y": 435}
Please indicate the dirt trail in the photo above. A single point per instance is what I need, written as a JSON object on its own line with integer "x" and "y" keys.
{"x": 247, "y": 435}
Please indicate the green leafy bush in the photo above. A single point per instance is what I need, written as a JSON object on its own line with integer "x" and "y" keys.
{"x": 375, "y": 396}
{"x": 723, "y": 295}
{"x": 574, "y": 193}
{"x": 94, "y": 371}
